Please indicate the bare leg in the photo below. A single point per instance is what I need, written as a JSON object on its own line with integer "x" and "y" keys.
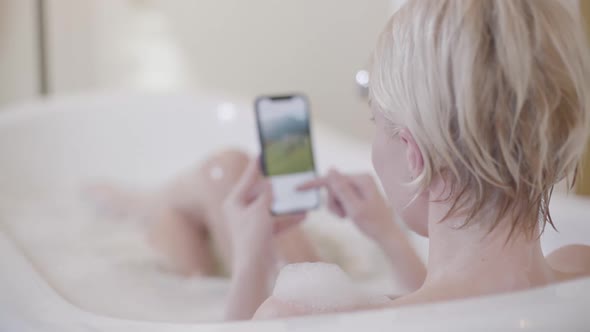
{"x": 294, "y": 246}
{"x": 214, "y": 179}
{"x": 181, "y": 238}
{"x": 186, "y": 218}
{"x": 220, "y": 174}
{"x": 184, "y": 242}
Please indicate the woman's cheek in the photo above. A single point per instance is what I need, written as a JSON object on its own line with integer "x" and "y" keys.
{"x": 384, "y": 162}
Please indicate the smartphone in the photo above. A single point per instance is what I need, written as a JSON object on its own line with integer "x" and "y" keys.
{"x": 287, "y": 154}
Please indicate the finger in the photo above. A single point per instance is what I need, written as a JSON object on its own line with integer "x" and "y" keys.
{"x": 372, "y": 187}
{"x": 365, "y": 184}
{"x": 264, "y": 199}
{"x": 351, "y": 182}
{"x": 255, "y": 191}
{"x": 344, "y": 192}
{"x": 313, "y": 184}
{"x": 335, "y": 207}
{"x": 247, "y": 181}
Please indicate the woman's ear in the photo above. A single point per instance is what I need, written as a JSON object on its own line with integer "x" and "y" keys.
{"x": 413, "y": 153}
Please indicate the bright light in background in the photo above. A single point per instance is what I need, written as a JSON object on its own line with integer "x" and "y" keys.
{"x": 362, "y": 78}
{"x": 226, "y": 111}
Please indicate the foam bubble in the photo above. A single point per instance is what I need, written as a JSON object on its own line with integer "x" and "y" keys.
{"x": 322, "y": 287}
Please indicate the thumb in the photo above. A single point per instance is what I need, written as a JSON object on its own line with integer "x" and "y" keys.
{"x": 265, "y": 197}
{"x": 247, "y": 181}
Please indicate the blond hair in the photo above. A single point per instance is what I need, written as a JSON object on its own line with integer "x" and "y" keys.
{"x": 494, "y": 93}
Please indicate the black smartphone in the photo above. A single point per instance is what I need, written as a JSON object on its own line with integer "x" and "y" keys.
{"x": 287, "y": 155}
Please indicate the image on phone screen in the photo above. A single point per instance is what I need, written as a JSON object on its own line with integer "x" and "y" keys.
{"x": 287, "y": 154}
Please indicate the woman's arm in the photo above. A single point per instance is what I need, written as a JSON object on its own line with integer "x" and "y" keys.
{"x": 252, "y": 229}
{"x": 357, "y": 197}
{"x": 403, "y": 258}
{"x": 250, "y": 286}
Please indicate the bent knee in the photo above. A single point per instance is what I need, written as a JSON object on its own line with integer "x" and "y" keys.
{"x": 226, "y": 166}
{"x": 219, "y": 174}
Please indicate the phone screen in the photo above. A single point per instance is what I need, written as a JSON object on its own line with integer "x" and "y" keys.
{"x": 287, "y": 155}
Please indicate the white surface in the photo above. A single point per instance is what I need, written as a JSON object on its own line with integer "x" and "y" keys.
{"x": 48, "y": 150}
{"x": 286, "y": 196}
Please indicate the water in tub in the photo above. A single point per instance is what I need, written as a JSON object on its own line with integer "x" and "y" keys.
{"x": 104, "y": 264}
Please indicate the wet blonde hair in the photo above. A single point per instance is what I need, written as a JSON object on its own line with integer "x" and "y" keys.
{"x": 495, "y": 94}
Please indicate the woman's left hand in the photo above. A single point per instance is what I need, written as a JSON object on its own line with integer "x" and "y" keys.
{"x": 247, "y": 210}
{"x": 252, "y": 227}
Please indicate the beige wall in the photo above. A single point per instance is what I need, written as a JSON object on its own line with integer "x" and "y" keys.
{"x": 72, "y": 29}
{"x": 240, "y": 47}
{"x": 18, "y": 51}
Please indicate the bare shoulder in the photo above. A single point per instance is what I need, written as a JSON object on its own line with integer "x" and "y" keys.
{"x": 572, "y": 259}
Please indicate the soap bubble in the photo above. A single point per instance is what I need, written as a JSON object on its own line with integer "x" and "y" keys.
{"x": 322, "y": 287}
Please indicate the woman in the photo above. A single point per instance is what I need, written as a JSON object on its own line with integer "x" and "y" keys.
{"x": 185, "y": 222}
{"x": 480, "y": 108}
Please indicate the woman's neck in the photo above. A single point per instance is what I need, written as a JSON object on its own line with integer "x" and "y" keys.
{"x": 470, "y": 261}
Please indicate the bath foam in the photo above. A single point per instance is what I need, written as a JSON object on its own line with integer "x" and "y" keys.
{"x": 322, "y": 287}
{"x": 91, "y": 259}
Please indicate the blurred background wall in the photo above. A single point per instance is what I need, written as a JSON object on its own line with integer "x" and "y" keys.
{"x": 235, "y": 47}
{"x": 19, "y": 67}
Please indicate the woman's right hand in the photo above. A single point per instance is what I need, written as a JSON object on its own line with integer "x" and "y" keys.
{"x": 357, "y": 197}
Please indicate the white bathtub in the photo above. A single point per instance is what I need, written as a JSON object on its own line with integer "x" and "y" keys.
{"x": 47, "y": 149}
